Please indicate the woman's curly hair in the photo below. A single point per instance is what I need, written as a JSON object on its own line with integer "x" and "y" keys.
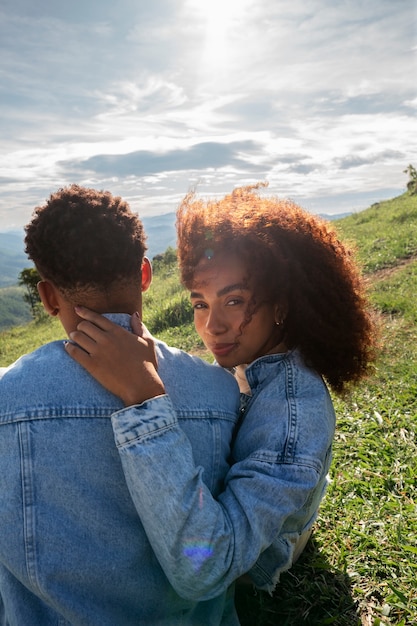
{"x": 293, "y": 259}
{"x": 84, "y": 238}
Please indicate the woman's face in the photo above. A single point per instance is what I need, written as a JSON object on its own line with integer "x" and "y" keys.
{"x": 220, "y": 296}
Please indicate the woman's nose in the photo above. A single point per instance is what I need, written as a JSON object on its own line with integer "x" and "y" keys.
{"x": 216, "y": 324}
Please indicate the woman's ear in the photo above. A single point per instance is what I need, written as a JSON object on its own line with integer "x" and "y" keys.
{"x": 48, "y": 295}
{"x": 146, "y": 274}
{"x": 281, "y": 311}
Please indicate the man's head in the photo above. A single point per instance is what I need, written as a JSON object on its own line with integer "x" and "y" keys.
{"x": 88, "y": 247}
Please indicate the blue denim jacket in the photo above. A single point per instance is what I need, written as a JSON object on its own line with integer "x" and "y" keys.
{"x": 72, "y": 547}
{"x": 281, "y": 454}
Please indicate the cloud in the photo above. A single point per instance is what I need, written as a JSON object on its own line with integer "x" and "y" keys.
{"x": 348, "y": 162}
{"x": 205, "y": 155}
{"x": 147, "y": 99}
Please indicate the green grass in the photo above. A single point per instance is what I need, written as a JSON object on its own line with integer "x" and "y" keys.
{"x": 394, "y": 292}
{"x": 21, "y": 339}
{"x": 167, "y": 311}
{"x": 384, "y": 233}
{"x": 360, "y": 568}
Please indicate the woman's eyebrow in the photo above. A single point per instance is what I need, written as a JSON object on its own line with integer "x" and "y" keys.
{"x": 223, "y": 291}
{"x": 229, "y": 288}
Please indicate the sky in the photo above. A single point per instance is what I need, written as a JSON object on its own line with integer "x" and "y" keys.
{"x": 148, "y": 99}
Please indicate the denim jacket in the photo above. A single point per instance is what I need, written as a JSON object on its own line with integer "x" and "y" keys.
{"x": 281, "y": 456}
{"x": 72, "y": 546}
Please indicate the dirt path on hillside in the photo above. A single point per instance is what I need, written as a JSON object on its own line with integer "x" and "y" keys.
{"x": 386, "y": 272}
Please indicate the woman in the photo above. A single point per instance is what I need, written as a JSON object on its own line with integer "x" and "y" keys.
{"x": 277, "y": 299}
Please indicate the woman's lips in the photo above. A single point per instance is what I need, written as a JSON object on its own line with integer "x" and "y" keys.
{"x": 222, "y": 349}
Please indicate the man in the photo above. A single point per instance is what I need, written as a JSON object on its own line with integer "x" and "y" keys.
{"x": 72, "y": 547}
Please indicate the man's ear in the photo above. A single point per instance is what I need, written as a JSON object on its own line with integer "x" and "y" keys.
{"x": 48, "y": 295}
{"x": 146, "y": 274}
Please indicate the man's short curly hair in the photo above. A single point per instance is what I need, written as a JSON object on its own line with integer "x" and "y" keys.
{"x": 84, "y": 238}
{"x": 293, "y": 259}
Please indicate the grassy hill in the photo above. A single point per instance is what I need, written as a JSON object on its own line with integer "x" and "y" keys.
{"x": 360, "y": 567}
{"x": 13, "y": 309}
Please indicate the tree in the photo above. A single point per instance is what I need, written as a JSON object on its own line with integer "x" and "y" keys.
{"x": 29, "y": 278}
{"x": 166, "y": 260}
{"x": 412, "y": 179}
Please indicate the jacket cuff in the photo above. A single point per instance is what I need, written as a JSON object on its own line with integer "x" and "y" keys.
{"x": 143, "y": 420}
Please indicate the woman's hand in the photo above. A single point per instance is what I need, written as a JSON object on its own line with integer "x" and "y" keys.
{"x": 121, "y": 361}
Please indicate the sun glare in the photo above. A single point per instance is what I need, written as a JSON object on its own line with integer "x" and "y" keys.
{"x": 221, "y": 21}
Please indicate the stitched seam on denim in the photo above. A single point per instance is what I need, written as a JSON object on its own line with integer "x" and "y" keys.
{"x": 28, "y": 504}
{"x": 45, "y": 413}
{"x": 156, "y": 432}
{"x": 270, "y": 458}
{"x": 207, "y": 414}
{"x": 292, "y": 411}
{"x": 215, "y": 446}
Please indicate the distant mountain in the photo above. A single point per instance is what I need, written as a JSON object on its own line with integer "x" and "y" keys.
{"x": 334, "y": 216}
{"x": 12, "y": 258}
{"x": 161, "y": 233}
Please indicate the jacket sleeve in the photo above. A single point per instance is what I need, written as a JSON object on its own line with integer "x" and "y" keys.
{"x": 203, "y": 544}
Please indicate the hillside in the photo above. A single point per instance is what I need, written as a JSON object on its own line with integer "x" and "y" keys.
{"x": 160, "y": 230}
{"x": 386, "y": 239}
{"x": 360, "y": 567}
{"x": 13, "y": 309}
{"x": 385, "y": 234}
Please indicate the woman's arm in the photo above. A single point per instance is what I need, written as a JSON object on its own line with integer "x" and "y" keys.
{"x": 203, "y": 544}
